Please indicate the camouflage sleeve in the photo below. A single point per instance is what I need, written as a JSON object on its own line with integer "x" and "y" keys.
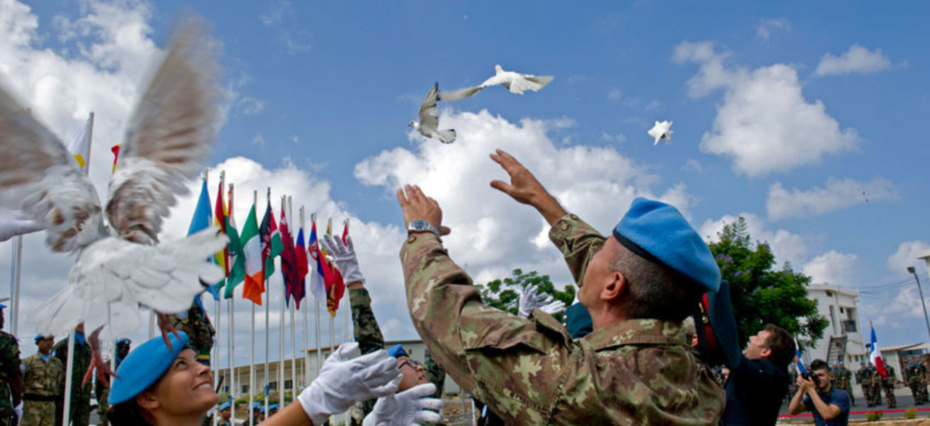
{"x": 9, "y": 354}
{"x": 577, "y": 241}
{"x": 435, "y": 373}
{"x": 367, "y": 332}
{"x": 510, "y": 363}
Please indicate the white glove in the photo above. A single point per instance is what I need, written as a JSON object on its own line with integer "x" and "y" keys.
{"x": 343, "y": 382}
{"x": 19, "y": 412}
{"x": 343, "y": 255}
{"x": 410, "y": 407}
{"x": 529, "y": 300}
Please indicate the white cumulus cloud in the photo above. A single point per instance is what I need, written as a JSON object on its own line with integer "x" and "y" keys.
{"x": 766, "y": 27}
{"x": 833, "y": 268}
{"x": 764, "y": 124}
{"x": 856, "y": 60}
{"x": 786, "y": 246}
{"x": 838, "y": 194}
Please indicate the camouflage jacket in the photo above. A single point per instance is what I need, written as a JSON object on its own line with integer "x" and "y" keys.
{"x": 198, "y": 327}
{"x": 9, "y": 361}
{"x": 82, "y": 359}
{"x": 530, "y": 371}
{"x": 842, "y": 378}
{"x": 41, "y": 378}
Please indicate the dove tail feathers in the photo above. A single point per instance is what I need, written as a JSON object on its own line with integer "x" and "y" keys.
{"x": 60, "y": 314}
{"x": 446, "y": 136}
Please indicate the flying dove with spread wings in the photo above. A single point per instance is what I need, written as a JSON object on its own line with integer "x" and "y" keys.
{"x": 121, "y": 267}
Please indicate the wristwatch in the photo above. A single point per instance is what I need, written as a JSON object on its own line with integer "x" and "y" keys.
{"x": 421, "y": 225}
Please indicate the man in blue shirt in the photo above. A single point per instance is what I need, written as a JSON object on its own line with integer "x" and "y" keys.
{"x": 829, "y": 405}
{"x": 757, "y": 387}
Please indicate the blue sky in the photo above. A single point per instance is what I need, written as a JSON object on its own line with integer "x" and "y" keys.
{"x": 785, "y": 113}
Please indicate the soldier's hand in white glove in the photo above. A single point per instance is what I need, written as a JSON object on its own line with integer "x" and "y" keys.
{"x": 343, "y": 382}
{"x": 530, "y": 300}
{"x": 19, "y": 412}
{"x": 410, "y": 407}
{"x": 343, "y": 255}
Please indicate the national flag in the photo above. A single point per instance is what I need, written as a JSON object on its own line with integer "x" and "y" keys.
{"x": 799, "y": 362}
{"x": 79, "y": 147}
{"x": 199, "y": 222}
{"x": 335, "y": 287}
{"x": 315, "y": 263}
{"x": 252, "y": 250}
{"x": 115, "y": 150}
{"x": 876, "y": 355}
{"x": 221, "y": 258}
{"x": 271, "y": 241}
{"x": 235, "y": 250}
{"x": 288, "y": 260}
{"x": 303, "y": 267}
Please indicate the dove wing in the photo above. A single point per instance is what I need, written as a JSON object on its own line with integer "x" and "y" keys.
{"x": 429, "y": 111}
{"x": 116, "y": 276}
{"x": 495, "y": 80}
{"x": 169, "y": 138}
{"x": 42, "y": 179}
{"x": 460, "y": 94}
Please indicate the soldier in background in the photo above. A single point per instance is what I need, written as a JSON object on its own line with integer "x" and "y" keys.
{"x": 101, "y": 390}
{"x": 198, "y": 327}
{"x": 864, "y": 379}
{"x": 80, "y": 393}
{"x": 888, "y": 384}
{"x": 922, "y": 375}
{"x": 42, "y": 383}
{"x": 913, "y": 381}
{"x": 876, "y": 385}
{"x": 11, "y": 377}
{"x": 845, "y": 381}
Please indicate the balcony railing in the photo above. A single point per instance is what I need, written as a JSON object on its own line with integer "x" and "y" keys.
{"x": 849, "y": 326}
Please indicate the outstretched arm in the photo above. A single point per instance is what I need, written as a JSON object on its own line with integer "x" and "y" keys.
{"x": 525, "y": 188}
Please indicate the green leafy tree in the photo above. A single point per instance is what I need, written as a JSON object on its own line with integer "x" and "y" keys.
{"x": 761, "y": 294}
{"x": 504, "y": 294}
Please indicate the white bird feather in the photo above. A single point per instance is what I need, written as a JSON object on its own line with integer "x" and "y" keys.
{"x": 117, "y": 270}
{"x": 517, "y": 82}
{"x": 429, "y": 118}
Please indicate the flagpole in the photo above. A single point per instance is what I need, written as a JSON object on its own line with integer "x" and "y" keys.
{"x": 232, "y": 334}
{"x": 219, "y": 307}
{"x": 346, "y": 299}
{"x": 282, "y": 327}
{"x": 267, "y": 315}
{"x": 252, "y": 346}
{"x": 290, "y": 213}
{"x": 319, "y": 344}
{"x": 332, "y": 317}
{"x": 14, "y": 283}
{"x": 90, "y": 141}
{"x": 69, "y": 369}
{"x": 306, "y": 373}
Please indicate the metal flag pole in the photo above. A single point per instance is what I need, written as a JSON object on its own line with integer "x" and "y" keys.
{"x": 267, "y": 315}
{"x": 319, "y": 344}
{"x": 252, "y": 346}
{"x": 282, "y": 326}
{"x": 232, "y": 328}
{"x": 69, "y": 369}
{"x": 346, "y": 308}
{"x": 219, "y": 309}
{"x": 306, "y": 373}
{"x": 17, "y": 264}
{"x": 290, "y": 213}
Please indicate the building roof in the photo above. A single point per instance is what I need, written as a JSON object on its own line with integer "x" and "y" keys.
{"x": 832, "y": 287}
{"x": 900, "y": 347}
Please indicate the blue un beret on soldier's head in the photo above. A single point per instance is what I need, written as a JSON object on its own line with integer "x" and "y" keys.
{"x": 397, "y": 350}
{"x": 144, "y": 366}
{"x": 658, "y": 232}
{"x": 225, "y": 405}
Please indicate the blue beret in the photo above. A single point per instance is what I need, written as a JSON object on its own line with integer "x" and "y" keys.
{"x": 2, "y": 306}
{"x": 225, "y": 405}
{"x": 397, "y": 350}
{"x": 256, "y": 404}
{"x": 270, "y": 408}
{"x": 577, "y": 321}
{"x": 658, "y": 232}
{"x": 144, "y": 366}
{"x": 40, "y": 336}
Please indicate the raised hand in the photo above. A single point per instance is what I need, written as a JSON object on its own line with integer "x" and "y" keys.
{"x": 410, "y": 407}
{"x": 524, "y": 188}
{"x": 343, "y": 255}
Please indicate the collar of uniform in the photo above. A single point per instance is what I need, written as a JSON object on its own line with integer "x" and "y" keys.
{"x": 637, "y": 332}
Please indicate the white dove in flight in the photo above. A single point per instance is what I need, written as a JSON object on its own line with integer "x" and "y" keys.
{"x": 516, "y": 82}
{"x": 120, "y": 268}
{"x": 662, "y": 130}
{"x": 429, "y": 118}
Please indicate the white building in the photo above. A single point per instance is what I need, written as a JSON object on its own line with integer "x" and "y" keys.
{"x": 843, "y": 336}
{"x": 415, "y": 348}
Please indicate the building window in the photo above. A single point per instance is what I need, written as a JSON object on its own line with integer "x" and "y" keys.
{"x": 288, "y": 384}
{"x": 245, "y": 389}
{"x": 273, "y": 385}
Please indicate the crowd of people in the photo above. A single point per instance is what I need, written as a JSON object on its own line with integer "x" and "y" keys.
{"x": 626, "y": 353}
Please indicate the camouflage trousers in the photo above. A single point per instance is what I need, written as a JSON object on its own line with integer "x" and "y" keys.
{"x": 102, "y": 407}
{"x": 876, "y": 395}
{"x": 918, "y": 389}
{"x": 888, "y": 386}
{"x": 849, "y": 390}
{"x": 38, "y": 413}
{"x": 80, "y": 412}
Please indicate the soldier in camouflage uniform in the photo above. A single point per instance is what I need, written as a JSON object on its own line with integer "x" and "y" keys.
{"x": 875, "y": 385}
{"x": 198, "y": 327}
{"x": 888, "y": 384}
{"x": 11, "y": 377}
{"x": 864, "y": 375}
{"x": 368, "y": 332}
{"x": 845, "y": 382}
{"x": 80, "y": 393}
{"x": 102, "y": 391}
{"x": 632, "y": 370}
{"x": 922, "y": 383}
{"x": 42, "y": 382}
{"x": 913, "y": 382}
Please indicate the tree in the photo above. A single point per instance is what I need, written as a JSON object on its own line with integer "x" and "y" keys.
{"x": 762, "y": 295}
{"x": 505, "y": 294}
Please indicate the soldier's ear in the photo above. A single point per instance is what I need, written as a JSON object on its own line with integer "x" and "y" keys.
{"x": 615, "y": 287}
{"x": 147, "y": 401}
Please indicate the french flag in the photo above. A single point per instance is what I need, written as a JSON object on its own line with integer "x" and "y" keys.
{"x": 876, "y": 355}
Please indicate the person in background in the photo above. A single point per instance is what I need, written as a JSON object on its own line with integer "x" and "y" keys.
{"x": 845, "y": 381}
{"x": 756, "y": 388}
{"x": 888, "y": 384}
{"x": 830, "y": 406}
{"x": 80, "y": 392}
{"x": 225, "y": 414}
{"x": 42, "y": 381}
{"x": 101, "y": 390}
{"x": 11, "y": 377}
